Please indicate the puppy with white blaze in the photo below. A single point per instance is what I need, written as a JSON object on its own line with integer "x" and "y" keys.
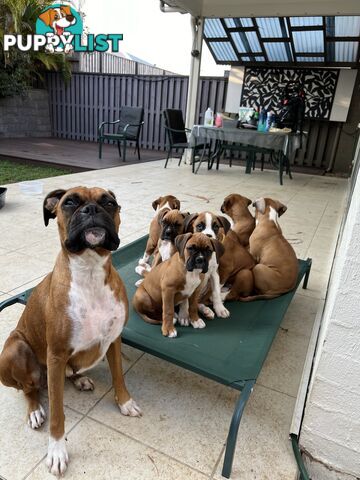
{"x": 74, "y": 317}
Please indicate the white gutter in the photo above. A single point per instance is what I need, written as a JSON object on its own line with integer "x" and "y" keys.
{"x": 166, "y": 9}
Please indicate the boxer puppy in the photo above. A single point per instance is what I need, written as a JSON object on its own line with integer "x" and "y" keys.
{"x": 236, "y": 263}
{"x": 74, "y": 317}
{"x": 168, "y": 202}
{"x": 277, "y": 267}
{"x": 214, "y": 226}
{"x": 171, "y": 225}
{"x": 174, "y": 281}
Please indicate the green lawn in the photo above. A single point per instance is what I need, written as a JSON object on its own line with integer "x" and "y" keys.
{"x": 12, "y": 172}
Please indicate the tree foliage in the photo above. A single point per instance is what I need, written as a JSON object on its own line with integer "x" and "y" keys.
{"x": 21, "y": 70}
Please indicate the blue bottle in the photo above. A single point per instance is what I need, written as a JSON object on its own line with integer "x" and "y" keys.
{"x": 262, "y": 121}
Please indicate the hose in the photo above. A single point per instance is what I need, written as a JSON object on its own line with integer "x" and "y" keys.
{"x": 295, "y": 445}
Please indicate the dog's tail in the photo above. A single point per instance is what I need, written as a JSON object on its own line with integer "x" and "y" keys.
{"x": 149, "y": 320}
{"x": 251, "y": 298}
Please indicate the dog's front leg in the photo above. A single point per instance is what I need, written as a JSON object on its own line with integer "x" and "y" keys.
{"x": 126, "y": 404}
{"x": 195, "y": 321}
{"x": 57, "y": 457}
{"x": 220, "y": 309}
{"x": 168, "y": 313}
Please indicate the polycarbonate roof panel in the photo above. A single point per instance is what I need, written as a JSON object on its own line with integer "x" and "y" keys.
{"x": 347, "y": 26}
{"x": 306, "y": 21}
{"x": 270, "y": 27}
{"x": 239, "y": 22}
{"x": 325, "y": 41}
{"x": 224, "y": 51}
{"x": 213, "y": 28}
{"x": 310, "y": 59}
{"x": 276, "y": 52}
{"x": 346, "y": 51}
{"x": 311, "y": 41}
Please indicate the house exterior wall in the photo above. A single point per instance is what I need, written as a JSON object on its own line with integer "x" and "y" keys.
{"x": 330, "y": 435}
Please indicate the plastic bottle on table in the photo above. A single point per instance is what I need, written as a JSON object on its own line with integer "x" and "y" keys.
{"x": 262, "y": 121}
{"x": 218, "y": 120}
{"x": 209, "y": 118}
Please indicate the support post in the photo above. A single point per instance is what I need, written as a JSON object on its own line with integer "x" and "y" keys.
{"x": 196, "y": 53}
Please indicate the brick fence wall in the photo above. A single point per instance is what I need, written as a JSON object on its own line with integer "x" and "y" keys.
{"x": 25, "y": 115}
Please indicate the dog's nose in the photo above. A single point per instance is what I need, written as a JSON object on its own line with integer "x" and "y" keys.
{"x": 70, "y": 18}
{"x": 199, "y": 260}
{"x": 209, "y": 235}
{"x": 90, "y": 209}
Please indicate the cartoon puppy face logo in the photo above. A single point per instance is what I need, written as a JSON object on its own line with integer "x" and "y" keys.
{"x": 58, "y": 18}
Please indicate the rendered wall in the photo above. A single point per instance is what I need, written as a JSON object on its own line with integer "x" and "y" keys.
{"x": 25, "y": 116}
{"x": 330, "y": 434}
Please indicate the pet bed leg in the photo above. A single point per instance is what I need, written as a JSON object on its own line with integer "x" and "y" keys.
{"x": 234, "y": 427}
{"x": 307, "y": 274}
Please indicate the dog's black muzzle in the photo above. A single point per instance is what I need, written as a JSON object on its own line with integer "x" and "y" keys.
{"x": 197, "y": 261}
{"x": 169, "y": 233}
{"x": 91, "y": 227}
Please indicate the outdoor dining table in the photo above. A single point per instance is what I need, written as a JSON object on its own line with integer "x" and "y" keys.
{"x": 283, "y": 144}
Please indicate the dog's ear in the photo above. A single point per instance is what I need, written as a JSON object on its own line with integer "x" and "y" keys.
{"x": 181, "y": 241}
{"x": 248, "y": 201}
{"x": 156, "y": 203}
{"x": 176, "y": 204}
{"x": 219, "y": 248}
{"x": 162, "y": 214}
{"x": 46, "y": 16}
{"x": 112, "y": 194}
{"x": 280, "y": 208}
{"x": 66, "y": 9}
{"x": 224, "y": 222}
{"x": 50, "y": 203}
{"x": 260, "y": 205}
{"x": 185, "y": 214}
{"x": 188, "y": 222}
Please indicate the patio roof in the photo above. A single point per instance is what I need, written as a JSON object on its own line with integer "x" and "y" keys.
{"x": 285, "y": 41}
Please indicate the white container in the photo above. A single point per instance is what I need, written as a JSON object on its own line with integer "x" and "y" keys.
{"x": 209, "y": 118}
{"x": 34, "y": 187}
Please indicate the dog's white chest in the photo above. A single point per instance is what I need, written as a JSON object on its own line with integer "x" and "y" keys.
{"x": 193, "y": 280}
{"x": 97, "y": 317}
{"x": 165, "y": 250}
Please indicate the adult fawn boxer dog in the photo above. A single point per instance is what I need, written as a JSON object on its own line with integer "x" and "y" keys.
{"x": 74, "y": 317}
{"x": 277, "y": 267}
{"x": 176, "y": 280}
{"x": 237, "y": 262}
{"x": 161, "y": 204}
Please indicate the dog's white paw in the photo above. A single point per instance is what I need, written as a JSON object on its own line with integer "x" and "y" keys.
{"x": 68, "y": 48}
{"x": 143, "y": 261}
{"x": 84, "y": 383}
{"x": 37, "y": 418}
{"x": 173, "y": 333}
{"x": 139, "y": 282}
{"x": 184, "y": 321}
{"x": 130, "y": 408}
{"x": 57, "y": 458}
{"x": 199, "y": 323}
{"x": 50, "y": 48}
{"x": 206, "y": 311}
{"x": 221, "y": 311}
{"x": 140, "y": 270}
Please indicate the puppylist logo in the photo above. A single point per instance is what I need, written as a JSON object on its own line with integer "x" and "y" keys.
{"x": 59, "y": 28}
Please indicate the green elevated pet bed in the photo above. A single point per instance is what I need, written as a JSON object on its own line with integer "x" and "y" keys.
{"x": 230, "y": 351}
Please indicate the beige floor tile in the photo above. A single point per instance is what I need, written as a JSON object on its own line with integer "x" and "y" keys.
{"x": 18, "y": 269}
{"x": 183, "y": 412}
{"x": 263, "y": 448}
{"x": 317, "y": 285}
{"x": 300, "y": 317}
{"x": 98, "y": 452}
{"x": 21, "y": 447}
{"x": 284, "y": 363}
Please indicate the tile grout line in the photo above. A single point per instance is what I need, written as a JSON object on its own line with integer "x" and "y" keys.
{"x": 217, "y": 463}
{"x": 147, "y": 446}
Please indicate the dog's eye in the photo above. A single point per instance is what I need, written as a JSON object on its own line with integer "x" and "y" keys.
{"x": 200, "y": 227}
{"x": 111, "y": 203}
{"x": 56, "y": 17}
{"x": 70, "y": 202}
{"x": 215, "y": 227}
